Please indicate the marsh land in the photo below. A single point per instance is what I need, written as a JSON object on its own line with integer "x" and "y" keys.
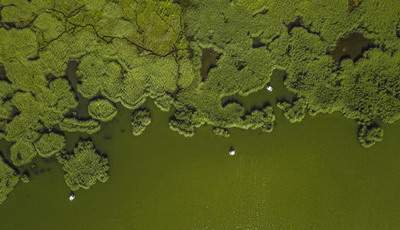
{"x": 131, "y": 108}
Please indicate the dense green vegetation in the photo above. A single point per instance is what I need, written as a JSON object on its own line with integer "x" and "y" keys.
{"x": 8, "y": 179}
{"x": 294, "y": 112}
{"x": 83, "y": 126}
{"x": 368, "y": 135}
{"x": 260, "y": 119}
{"x": 221, "y": 132}
{"x": 141, "y": 118}
{"x": 84, "y": 167}
{"x": 102, "y": 110}
{"x": 50, "y": 144}
{"x": 188, "y": 56}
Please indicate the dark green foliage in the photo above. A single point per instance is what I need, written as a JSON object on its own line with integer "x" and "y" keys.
{"x": 371, "y": 87}
{"x": 260, "y": 119}
{"x": 295, "y": 111}
{"x": 185, "y": 121}
{"x": 102, "y": 110}
{"x": 368, "y": 135}
{"x": 85, "y": 167}
{"x": 8, "y": 180}
{"x": 50, "y": 144}
{"x": 141, "y": 118}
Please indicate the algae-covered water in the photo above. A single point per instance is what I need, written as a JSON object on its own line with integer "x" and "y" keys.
{"x": 312, "y": 175}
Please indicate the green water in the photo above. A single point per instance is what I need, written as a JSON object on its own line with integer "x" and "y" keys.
{"x": 312, "y": 175}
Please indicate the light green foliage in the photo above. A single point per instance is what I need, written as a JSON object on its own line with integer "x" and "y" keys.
{"x": 157, "y": 23}
{"x": 41, "y": 106}
{"x": 6, "y": 89}
{"x": 129, "y": 51}
{"x": 102, "y": 110}
{"x": 22, "y": 128}
{"x": 164, "y": 102}
{"x": 8, "y": 180}
{"x": 295, "y": 36}
{"x": 85, "y": 167}
{"x": 221, "y": 132}
{"x": 130, "y": 79}
{"x": 141, "y": 118}
{"x": 83, "y": 126}
{"x": 295, "y": 111}
{"x": 50, "y": 144}
{"x": 22, "y": 152}
{"x": 48, "y": 28}
{"x": 25, "y": 178}
{"x": 368, "y": 135}
{"x": 123, "y": 49}
{"x": 16, "y": 44}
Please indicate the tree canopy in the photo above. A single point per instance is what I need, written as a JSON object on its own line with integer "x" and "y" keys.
{"x": 85, "y": 167}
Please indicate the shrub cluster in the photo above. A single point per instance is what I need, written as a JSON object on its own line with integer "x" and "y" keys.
{"x": 84, "y": 167}
{"x": 102, "y": 110}
{"x": 260, "y": 119}
{"x": 185, "y": 121}
{"x": 83, "y": 126}
{"x": 140, "y": 119}
{"x": 22, "y": 152}
{"x": 221, "y": 132}
{"x": 369, "y": 135}
{"x": 8, "y": 180}
{"x": 50, "y": 144}
{"x": 295, "y": 111}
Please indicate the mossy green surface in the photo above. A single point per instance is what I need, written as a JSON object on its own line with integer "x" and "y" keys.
{"x": 132, "y": 51}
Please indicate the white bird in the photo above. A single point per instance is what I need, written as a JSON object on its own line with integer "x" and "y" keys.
{"x": 71, "y": 196}
{"x": 232, "y": 152}
{"x": 269, "y": 88}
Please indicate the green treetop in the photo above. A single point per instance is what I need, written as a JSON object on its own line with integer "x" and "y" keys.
{"x": 85, "y": 167}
